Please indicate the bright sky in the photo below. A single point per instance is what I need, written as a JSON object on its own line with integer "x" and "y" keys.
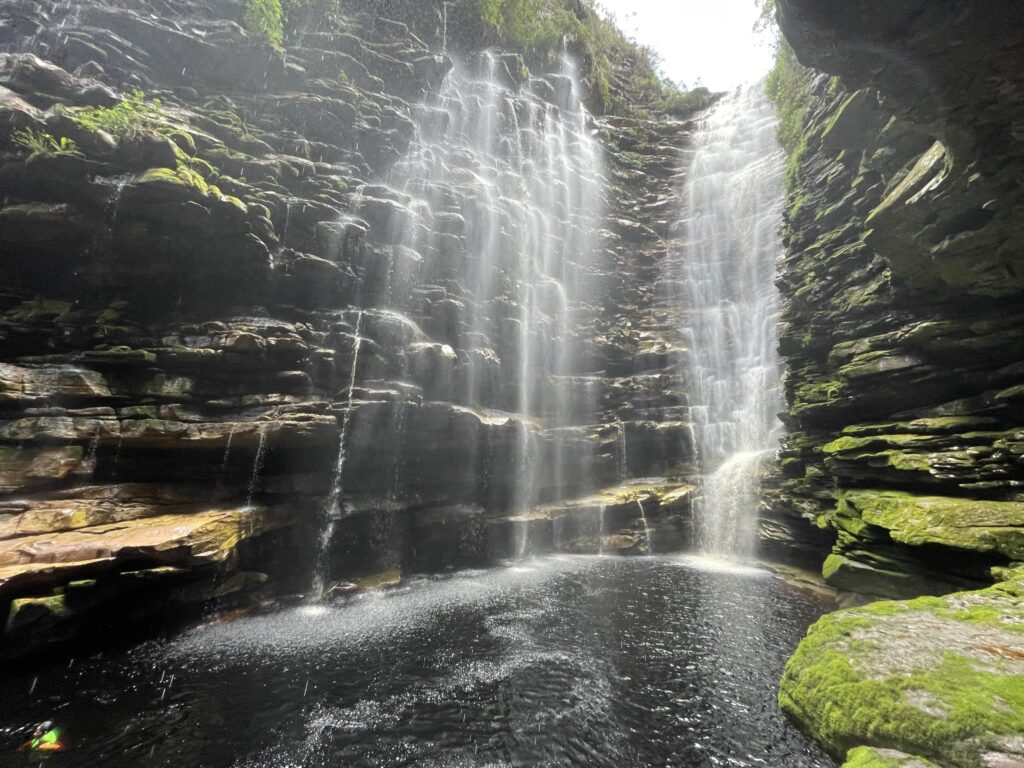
{"x": 709, "y": 42}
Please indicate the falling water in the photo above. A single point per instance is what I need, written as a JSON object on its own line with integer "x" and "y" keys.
{"x": 257, "y": 464}
{"x": 333, "y": 506}
{"x": 227, "y": 449}
{"x": 734, "y": 213}
{"x": 92, "y": 452}
{"x": 647, "y": 528}
{"x": 501, "y": 194}
{"x": 623, "y": 457}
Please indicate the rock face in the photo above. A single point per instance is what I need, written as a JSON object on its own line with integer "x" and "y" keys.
{"x": 902, "y": 332}
{"x": 902, "y": 316}
{"x": 213, "y": 299}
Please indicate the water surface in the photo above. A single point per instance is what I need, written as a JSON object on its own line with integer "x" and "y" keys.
{"x": 563, "y": 661}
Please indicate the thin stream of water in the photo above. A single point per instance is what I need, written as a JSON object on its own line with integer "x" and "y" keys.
{"x": 333, "y": 506}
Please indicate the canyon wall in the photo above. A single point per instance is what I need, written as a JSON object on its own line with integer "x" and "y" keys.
{"x": 903, "y": 318}
{"x": 903, "y": 284}
{"x": 274, "y": 308}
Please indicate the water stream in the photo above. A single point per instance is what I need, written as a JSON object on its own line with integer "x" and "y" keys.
{"x": 332, "y": 509}
{"x": 257, "y": 465}
{"x": 734, "y": 211}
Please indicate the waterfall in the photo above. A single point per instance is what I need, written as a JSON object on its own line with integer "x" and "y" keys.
{"x": 332, "y": 509}
{"x": 501, "y": 195}
{"x": 734, "y": 210}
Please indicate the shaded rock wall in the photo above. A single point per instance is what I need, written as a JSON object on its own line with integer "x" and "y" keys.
{"x": 182, "y": 302}
{"x": 903, "y": 312}
{"x": 903, "y": 306}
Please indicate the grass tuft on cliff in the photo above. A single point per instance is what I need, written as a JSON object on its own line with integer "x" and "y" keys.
{"x": 623, "y": 74}
{"x": 789, "y": 87}
{"x": 264, "y": 19}
{"x": 42, "y": 144}
{"x": 130, "y": 117}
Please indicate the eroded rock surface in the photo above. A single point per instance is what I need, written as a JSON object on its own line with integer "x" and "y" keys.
{"x": 903, "y": 313}
{"x": 203, "y": 296}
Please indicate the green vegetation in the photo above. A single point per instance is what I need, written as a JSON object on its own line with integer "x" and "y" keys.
{"x": 42, "y": 144}
{"x": 195, "y": 164}
{"x": 869, "y": 757}
{"x": 132, "y": 116}
{"x": 680, "y": 103}
{"x": 623, "y": 74}
{"x": 788, "y": 85}
{"x": 967, "y": 524}
{"x": 264, "y": 19}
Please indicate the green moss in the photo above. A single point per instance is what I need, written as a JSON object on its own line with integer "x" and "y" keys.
{"x": 36, "y": 613}
{"x": 941, "y": 425}
{"x": 970, "y": 524}
{"x": 848, "y": 685}
{"x": 848, "y": 444}
{"x": 264, "y": 19}
{"x": 869, "y": 757}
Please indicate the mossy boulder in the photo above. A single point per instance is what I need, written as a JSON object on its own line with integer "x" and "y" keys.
{"x": 869, "y": 757}
{"x": 938, "y": 677}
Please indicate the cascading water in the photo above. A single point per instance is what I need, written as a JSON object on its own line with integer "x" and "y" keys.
{"x": 501, "y": 194}
{"x": 734, "y": 197}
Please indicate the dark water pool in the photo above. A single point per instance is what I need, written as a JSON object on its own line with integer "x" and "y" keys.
{"x": 574, "y": 661}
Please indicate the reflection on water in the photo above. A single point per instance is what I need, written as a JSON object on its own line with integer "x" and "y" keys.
{"x": 566, "y": 661}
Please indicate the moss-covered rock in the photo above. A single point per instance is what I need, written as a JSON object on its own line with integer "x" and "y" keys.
{"x": 937, "y": 677}
{"x": 869, "y": 757}
{"x": 967, "y": 524}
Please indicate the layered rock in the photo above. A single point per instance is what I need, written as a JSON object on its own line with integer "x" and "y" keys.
{"x": 210, "y": 307}
{"x": 902, "y": 321}
{"x": 902, "y": 313}
{"x": 938, "y": 678}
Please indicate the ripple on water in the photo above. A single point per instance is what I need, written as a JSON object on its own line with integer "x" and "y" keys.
{"x": 568, "y": 661}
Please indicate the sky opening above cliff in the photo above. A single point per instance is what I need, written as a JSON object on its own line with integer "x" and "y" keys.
{"x": 699, "y": 42}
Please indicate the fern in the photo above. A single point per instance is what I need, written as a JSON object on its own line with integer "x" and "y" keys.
{"x": 41, "y": 144}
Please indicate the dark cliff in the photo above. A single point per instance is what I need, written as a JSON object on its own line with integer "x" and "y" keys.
{"x": 903, "y": 316}
{"x": 902, "y": 286}
{"x": 208, "y": 293}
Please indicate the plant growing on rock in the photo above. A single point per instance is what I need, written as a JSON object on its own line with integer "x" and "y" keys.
{"x": 680, "y": 103}
{"x": 788, "y": 85}
{"x": 42, "y": 144}
{"x": 263, "y": 18}
{"x": 133, "y": 115}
